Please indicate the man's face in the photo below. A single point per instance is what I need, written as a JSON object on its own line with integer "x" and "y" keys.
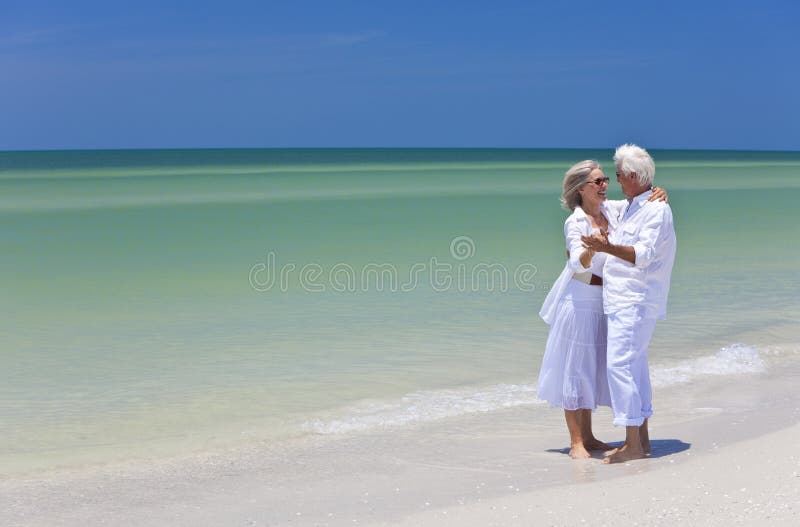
{"x": 627, "y": 182}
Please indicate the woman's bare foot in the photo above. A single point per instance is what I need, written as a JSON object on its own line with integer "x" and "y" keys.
{"x": 578, "y": 451}
{"x": 595, "y": 444}
{"x": 590, "y": 442}
{"x": 625, "y": 453}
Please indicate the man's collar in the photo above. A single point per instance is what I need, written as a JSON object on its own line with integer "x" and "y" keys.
{"x": 642, "y": 197}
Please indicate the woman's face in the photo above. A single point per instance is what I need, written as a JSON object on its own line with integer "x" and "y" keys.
{"x": 594, "y": 190}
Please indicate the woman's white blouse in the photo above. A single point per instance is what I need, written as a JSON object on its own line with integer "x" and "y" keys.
{"x": 576, "y": 225}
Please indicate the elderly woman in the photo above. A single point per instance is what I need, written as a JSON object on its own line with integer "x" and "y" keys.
{"x": 573, "y": 373}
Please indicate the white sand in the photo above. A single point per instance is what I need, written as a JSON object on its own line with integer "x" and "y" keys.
{"x": 724, "y": 453}
{"x": 755, "y": 482}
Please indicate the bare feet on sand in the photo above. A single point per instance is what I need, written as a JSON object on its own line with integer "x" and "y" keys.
{"x": 625, "y": 453}
{"x": 612, "y": 451}
{"x": 644, "y": 435}
{"x": 637, "y": 445}
{"x": 578, "y": 451}
{"x": 595, "y": 444}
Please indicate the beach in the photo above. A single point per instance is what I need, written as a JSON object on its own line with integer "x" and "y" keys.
{"x": 332, "y": 337}
{"x": 725, "y": 455}
{"x": 276, "y": 264}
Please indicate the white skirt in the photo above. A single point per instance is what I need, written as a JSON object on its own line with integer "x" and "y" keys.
{"x": 573, "y": 374}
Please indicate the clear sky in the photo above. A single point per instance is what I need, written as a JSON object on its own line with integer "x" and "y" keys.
{"x": 161, "y": 74}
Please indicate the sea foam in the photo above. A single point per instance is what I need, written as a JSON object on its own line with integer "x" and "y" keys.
{"x": 731, "y": 360}
{"x": 426, "y": 406}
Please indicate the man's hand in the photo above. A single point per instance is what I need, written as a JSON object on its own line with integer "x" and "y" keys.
{"x": 597, "y": 242}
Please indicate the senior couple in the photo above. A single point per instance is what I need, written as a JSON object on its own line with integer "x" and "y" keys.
{"x": 602, "y": 310}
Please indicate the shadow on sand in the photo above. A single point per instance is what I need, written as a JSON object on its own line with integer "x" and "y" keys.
{"x": 667, "y": 447}
{"x": 658, "y": 448}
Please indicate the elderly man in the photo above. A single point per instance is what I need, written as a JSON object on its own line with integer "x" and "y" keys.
{"x": 635, "y": 286}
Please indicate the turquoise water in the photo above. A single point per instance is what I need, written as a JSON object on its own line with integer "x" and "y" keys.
{"x": 141, "y": 313}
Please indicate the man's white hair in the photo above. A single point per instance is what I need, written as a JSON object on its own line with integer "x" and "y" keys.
{"x": 631, "y": 158}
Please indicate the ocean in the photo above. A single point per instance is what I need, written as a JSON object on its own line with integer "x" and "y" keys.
{"x": 171, "y": 301}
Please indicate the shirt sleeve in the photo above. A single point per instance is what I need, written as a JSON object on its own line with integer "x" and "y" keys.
{"x": 654, "y": 229}
{"x": 573, "y": 230}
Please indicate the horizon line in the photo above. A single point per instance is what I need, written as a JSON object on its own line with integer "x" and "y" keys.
{"x": 172, "y": 149}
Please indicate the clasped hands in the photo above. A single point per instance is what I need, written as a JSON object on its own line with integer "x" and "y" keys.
{"x": 596, "y": 243}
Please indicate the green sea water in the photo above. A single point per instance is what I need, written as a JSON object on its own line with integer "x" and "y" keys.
{"x": 182, "y": 299}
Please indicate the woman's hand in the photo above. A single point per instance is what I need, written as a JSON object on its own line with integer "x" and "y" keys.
{"x": 659, "y": 194}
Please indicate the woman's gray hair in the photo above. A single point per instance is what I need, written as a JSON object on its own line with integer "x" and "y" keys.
{"x": 573, "y": 180}
{"x": 631, "y": 158}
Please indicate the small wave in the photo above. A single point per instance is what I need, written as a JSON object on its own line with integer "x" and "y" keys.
{"x": 735, "y": 359}
{"x": 426, "y": 406}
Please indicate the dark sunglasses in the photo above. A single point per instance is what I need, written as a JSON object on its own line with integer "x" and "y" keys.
{"x": 599, "y": 181}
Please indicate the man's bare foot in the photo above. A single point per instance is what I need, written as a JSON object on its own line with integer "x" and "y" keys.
{"x": 578, "y": 451}
{"x": 625, "y": 453}
{"x": 644, "y": 435}
{"x": 596, "y": 444}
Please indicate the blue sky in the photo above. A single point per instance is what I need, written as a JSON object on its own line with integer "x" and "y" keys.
{"x": 381, "y": 74}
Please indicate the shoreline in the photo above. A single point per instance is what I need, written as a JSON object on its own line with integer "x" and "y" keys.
{"x": 455, "y": 468}
{"x": 418, "y": 409}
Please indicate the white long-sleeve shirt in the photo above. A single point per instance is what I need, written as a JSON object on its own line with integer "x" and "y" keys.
{"x": 647, "y": 227}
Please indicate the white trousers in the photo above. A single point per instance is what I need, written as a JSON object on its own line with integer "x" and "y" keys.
{"x": 629, "y": 334}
